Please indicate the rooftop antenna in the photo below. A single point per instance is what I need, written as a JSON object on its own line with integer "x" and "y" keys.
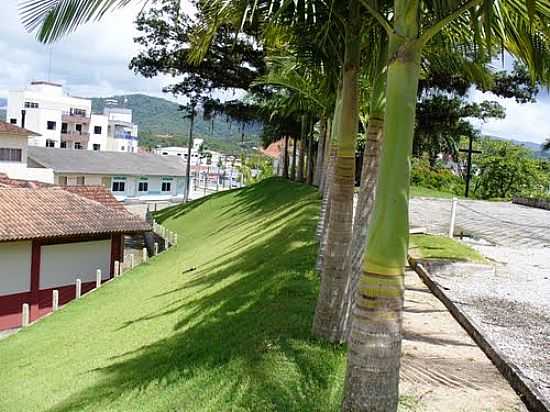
{"x": 50, "y": 62}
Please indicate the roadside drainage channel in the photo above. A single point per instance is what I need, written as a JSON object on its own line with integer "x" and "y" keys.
{"x": 530, "y": 395}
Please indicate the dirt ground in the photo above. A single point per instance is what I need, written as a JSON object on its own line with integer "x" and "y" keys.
{"x": 442, "y": 369}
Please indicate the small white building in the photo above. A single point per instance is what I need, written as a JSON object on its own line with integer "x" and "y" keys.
{"x": 67, "y": 122}
{"x": 130, "y": 176}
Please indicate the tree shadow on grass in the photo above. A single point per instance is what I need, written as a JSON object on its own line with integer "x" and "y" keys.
{"x": 243, "y": 338}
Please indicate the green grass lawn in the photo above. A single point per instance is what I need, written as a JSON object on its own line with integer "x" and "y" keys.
{"x": 234, "y": 334}
{"x": 442, "y": 247}
{"x": 418, "y": 191}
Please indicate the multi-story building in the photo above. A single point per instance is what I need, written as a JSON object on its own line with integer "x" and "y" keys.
{"x": 65, "y": 121}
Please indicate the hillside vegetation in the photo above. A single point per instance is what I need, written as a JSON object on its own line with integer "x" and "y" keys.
{"x": 233, "y": 334}
{"x": 156, "y": 116}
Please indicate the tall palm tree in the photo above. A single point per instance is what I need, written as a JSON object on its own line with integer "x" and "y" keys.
{"x": 375, "y": 340}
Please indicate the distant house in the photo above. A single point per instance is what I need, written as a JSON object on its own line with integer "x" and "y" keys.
{"x": 13, "y": 149}
{"x": 130, "y": 176}
{"x": 49, "y": 237}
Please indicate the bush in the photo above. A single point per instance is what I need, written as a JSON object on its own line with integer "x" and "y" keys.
{"x": 422, "y": 174}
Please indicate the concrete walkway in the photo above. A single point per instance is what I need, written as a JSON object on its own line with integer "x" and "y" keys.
{"x": 442, "y": 369}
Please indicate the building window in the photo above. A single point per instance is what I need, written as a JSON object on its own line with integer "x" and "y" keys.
{"x": 77, "y": 145}
{"x": 31, "y": 105}
{"x": 63, "y": 145}
{"x": 121, "y": 148}
{"x": 13, "y": 121}
{"x": 50, "y": 143}
{"x": 63, "y": 180}
{"x": 97, "y": 129}
{"x": 78, "y": 128}
{"x": 63, "y": 127}
{"x": 166, "y": 186}
{"x": 143, "y": 186}
{"x": 10, "y": 155}
{"x": 51, "y": 125}
{"x": 80, "y": 180}
{"x": 118, "y": 186}
{"x": 96, "y": 147}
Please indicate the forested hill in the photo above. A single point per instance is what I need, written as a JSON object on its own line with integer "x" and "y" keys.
{"x": 161, "y": 123}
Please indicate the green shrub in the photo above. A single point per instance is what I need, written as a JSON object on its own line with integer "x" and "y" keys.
{"x": 422, "y": 174}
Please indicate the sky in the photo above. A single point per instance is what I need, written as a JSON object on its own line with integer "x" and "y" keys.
{"x": 93, "y": 61}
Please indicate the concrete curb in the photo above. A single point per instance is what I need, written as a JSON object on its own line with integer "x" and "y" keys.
{"x": 532, "y": 202}
{"x": 532, "y": 398}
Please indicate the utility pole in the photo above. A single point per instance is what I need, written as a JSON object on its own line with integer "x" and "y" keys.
{"x": 470, "y": 151}
{"x": 189, "y": 146}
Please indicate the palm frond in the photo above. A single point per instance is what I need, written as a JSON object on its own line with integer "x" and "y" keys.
{"x": 52, "y": 19}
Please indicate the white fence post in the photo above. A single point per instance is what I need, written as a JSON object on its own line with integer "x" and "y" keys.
{"x": 453, "y": 218}
{"x": 117, "y": 269}
{"x": 25, "y": 318}
{"x": 175, "y": 238}
{"x": 156, "y": 251}
{"x": 78, "y": 291}
{"x": 55, "y": 300}
{"x": 144, "y": 254}
{"x": 132, "y": 261}
{"x": 98, "y": 278}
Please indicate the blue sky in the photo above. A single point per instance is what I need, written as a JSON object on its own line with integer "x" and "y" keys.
{"x": 94, "y": 62}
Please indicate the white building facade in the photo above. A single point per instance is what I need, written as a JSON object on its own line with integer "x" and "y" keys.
{"x": 64, "y": 121}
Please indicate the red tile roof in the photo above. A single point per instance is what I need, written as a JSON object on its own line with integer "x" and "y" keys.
{"x": 275, "y": 149}
{"x": 6, "y": 182}
{"x": 11, "y": 129}
{"x": 97, "y": 193}
{"x": 54, "y": 212}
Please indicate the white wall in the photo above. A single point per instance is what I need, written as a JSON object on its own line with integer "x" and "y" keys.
{"x": 62, "y": 264}
{"x": 15, "y": 267}
{"x": 32, "y": 173}
{"x": 101, "y": 139}
{"x": 52, "y": 103}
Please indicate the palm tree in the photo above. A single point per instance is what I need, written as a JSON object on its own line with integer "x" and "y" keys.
{"x": 375, "y": 340}
{"x": 372, "y": 376}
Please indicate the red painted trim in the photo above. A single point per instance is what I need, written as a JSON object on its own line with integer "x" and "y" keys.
{"x": 66, "y": 294}
{"x": 10, "y": 309}
{"x": 116, "y": 251}
{"x": 35, "y": 280}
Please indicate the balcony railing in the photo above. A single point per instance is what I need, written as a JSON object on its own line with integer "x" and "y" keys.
{"x": 125, "y": 135}
{"x": 74, "y": 136}
{"x": 75, "y": 118}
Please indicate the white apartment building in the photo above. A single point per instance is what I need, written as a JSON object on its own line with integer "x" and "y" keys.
{"x": 65, "y": 121}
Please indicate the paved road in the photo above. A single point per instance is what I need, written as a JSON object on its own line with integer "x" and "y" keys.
{"x": 501, "y": 223}
{"x": 511, "y": 303}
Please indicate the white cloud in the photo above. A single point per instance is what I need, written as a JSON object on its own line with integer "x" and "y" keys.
{"x": 525, "y": 122}
{"x": 93, "y": 61}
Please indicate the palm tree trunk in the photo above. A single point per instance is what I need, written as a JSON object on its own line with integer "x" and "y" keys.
{"x": 320, "y": 151}
{"x": 323, "y": 185}
{"x": 330, "y": 312}
{"x": 369, "y": 177}
{"x": 293, "y": 167}
{"x": 285, "y": 159}
{"x": 302, "y": 154}
{"x": 364, "y": 206}
{"x": 310, "y": 157}
{"x": 372, "y": 377}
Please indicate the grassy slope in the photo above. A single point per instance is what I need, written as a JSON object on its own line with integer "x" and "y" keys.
{"x": 417, "y": 191}
{"x": 442, "y": 247}
{"x": 234, "y": 332}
